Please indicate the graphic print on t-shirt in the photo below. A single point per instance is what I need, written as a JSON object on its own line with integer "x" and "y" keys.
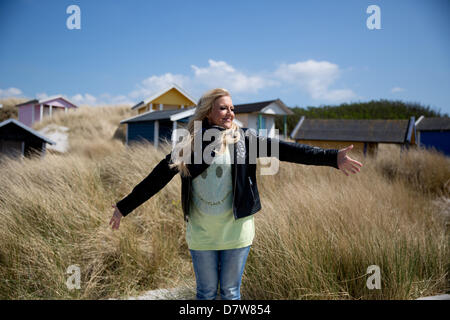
{"x": 212, "y": 190}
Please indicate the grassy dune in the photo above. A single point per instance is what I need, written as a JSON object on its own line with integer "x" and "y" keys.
{"x": 315, "y": 237}
{"x": 320, "y": 231}
{"x": 9, "y": 109}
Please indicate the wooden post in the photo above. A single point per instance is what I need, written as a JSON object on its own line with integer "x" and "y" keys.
{"x": 43, "y": 149}
{"x": 156, "y": 134}
{"x": 285, "y": 126}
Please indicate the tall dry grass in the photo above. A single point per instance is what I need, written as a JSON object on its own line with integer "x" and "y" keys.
{"x": 55, "y": 213}
{"x": 56, "y": 209}
{"x": 320, "y": 231}
{"x": 315, "y": 237}
{"x": 9, "y": 109}
{"x": 94, "y": 132}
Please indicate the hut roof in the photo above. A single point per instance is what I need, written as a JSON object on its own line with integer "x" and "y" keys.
{"x": 433, "y": 124}
{"x": 43, "y": 101}
{"x": 164, "y": 91}
{"x": 382, "y": 131}
{"x": 14, "y": 122}
{"x": 259, "y": 106}
{"x": 153, "y": 115}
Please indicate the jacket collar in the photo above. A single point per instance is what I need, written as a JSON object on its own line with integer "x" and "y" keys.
{"x": 207, "y": 125}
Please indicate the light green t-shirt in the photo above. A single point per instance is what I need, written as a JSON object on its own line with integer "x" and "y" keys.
{"x": 211, "y": 224}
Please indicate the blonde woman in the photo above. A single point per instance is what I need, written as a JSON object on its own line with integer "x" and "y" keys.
{"x": 219, "y": 193}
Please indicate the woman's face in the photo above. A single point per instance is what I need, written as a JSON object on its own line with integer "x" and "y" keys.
{"x": 222, "y": 112}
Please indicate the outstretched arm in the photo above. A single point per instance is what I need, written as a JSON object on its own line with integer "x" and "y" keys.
{"x": 152, "y": 184}
{"x": 293, "y": 152}
{"x": 304, "y": 154}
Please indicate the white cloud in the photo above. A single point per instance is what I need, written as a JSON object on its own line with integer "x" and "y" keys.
{"x": 102, "y": 99}
{"x": 91, "y": 100}
{"x": 316, "y": 78}
{"x": 108, "y": 99}
{"x": 215, "y": 74}
{"x": 81, "y": 99}
{"x": 154, "y": 84}
{"x": 397, "y": 89}
{"x": 10, "y": 92}
{"x": 221, "y": 74}
{"x": 43, "y": 95}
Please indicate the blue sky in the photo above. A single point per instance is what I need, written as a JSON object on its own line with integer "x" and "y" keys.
{"x": 307, "y": 53}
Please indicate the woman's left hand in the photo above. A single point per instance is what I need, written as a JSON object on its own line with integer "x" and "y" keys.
{"x": 347, "y": 164}
{"x": 115, "y": 220}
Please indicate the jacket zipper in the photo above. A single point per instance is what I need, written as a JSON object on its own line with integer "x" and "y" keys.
{"x": 188, "y": 205}
{"x": 251, "y": 188}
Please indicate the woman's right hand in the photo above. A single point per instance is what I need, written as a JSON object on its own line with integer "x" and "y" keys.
{"x": 115, "y": 220}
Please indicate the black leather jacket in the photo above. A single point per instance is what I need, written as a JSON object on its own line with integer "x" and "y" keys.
{"x": 245, "y": 190}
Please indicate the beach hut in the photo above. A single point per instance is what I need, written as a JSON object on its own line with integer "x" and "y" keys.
{"x": 35, "y": 110}
{"x": 17, "y": 140}
{"x": 158, "y": 126}
{"x": 171, "y": 98}
{"x": 153, "y": 126}
{"x": 365, "y": 135}
{"x": 261, "y": 115}
{"x": 434, "y": 133}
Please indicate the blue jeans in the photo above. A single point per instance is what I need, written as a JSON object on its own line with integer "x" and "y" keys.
{"x": 219, "y": 268}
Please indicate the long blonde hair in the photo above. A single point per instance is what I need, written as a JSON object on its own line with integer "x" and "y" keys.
{"x": 203, "y": 109}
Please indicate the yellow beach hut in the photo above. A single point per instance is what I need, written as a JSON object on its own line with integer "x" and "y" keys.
{"x": 159, "y": 116}
{"x": 171, "y": 98}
